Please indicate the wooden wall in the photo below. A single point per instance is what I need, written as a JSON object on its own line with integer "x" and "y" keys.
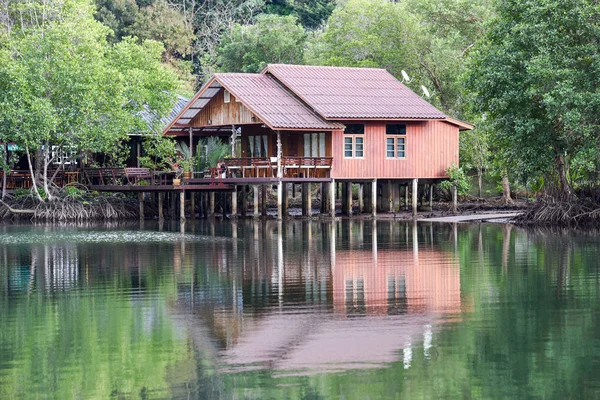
{"x": 431, "y": 147}
{"x": 221, "y": 113}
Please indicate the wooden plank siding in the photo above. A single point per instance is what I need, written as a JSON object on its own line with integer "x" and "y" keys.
{"x": 221, "y": 113}
{"x": 431, "y": 147}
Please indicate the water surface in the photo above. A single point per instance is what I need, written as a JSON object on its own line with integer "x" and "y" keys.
{"x": 298, "y": 310}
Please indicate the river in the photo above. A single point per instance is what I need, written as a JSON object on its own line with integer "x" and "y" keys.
{"x": 298, "y": 310}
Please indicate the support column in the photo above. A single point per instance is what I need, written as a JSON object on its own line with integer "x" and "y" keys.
{"x": 415, "y": 189}
{"x": 255, "y": 199}
{"x": 361, "y": 199}
{"x": 323, "y": 193}
{"x": 141, "y": 204}
{"x": 161, "y": 216}
{"x": 182, "y": 206}
{"x": 306, "y": 208}
{"x": 374, "y": 198}
{"x": 431, "y": 197}
{"x": 285, "y": 200}
{"x": 263, "y": 200}
{"x": 349, "y": 194}
{"x": 193, "y": 205}
{"x": 234, "y": 202}
{"x": 332, "y": 199}
{"x": 243, "y": 202}
{"x": 344, "y": 193}
{"x": 211, "y": 206}
{"x": 279, "y": 200}
{"x": 454, "y": 199}
{"x": 406, "y": 197}
{"x": 390, "y": 198}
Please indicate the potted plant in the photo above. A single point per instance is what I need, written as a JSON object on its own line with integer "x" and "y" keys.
{"x": 186, "y": 164}
{"x": 178, "y": 171}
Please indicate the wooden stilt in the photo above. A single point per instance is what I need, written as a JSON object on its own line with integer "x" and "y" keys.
{"x": 211, "y": 206}
{"x": 255, "y": 199}
{"x": 161, "y": 216}
{"x": 454, "y": 199}
{"x": 406, "y": 197}
{"x": 193, "y": 205}
{"x": 141, "y": 204}
{"x": 349, "y": 194}
{"x": 243, "y": 204}
{"x": 263, "y": 200}
{"x": 390, "y": 198}
{"x": 305, "y": 200}
{"x": 415, "y": 187}
{"x": 234, "y": 202}
{"x": 344, "y": 198}
{"x": 182, "y": 206}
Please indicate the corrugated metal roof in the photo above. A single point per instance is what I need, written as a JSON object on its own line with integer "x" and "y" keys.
{"x": 353, "y": 93}
{"x": 151, "y": 118}
{"x": 272, "y": 102}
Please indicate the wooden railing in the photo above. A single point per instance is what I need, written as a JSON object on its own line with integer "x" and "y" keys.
{"x": 293, "y": 167}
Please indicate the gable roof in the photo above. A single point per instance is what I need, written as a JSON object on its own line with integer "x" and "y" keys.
{"x": 263, "y": 95}
{"x": 272, "y": 102}
{"x": 150, "y": 117}
{"x": 353, "y": 93}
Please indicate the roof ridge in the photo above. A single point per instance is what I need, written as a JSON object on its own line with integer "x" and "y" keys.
{"x": 323, "y": 66}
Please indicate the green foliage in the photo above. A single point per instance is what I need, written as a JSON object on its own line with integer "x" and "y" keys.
{"x": 210, "y": 151}
{"x": 73, "y": 192}
{"x": 458, "y": 178}
{"x": 536, "y": 76}
{"x": 272, "y": 39}
{"x": 21, "y": 193}
{"x": 159, "y": 152}
{"x": 185, "y": 160}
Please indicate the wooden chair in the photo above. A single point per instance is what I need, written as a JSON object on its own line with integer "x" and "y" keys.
{"x": 323, "y": 167}
{"x": 262, "y": 165}
{"x": 291, "y": 167}
{"x": 307, "y": 166}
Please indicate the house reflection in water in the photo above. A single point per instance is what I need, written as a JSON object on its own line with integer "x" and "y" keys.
{"x": 329, "y": 297}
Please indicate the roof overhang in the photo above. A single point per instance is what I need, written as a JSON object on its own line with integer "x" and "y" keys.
{"x": 462, "y": 125}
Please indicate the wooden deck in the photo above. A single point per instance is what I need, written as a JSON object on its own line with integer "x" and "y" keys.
{"x": 163, "y": 188}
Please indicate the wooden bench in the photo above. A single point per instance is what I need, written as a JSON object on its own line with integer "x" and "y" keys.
{"x": 134, "y": 175}
{"x": 262, "y": 165}
{"x": 238, "y": 164}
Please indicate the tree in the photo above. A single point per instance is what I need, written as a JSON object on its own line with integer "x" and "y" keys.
{"x": 272, "y": 39}
{"x": 535, "y": 73}
{"x": 64, "y": 87}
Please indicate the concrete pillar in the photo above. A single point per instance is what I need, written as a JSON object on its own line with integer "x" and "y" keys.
{"x": 374, "y": 198}
{"x": 141, "y": 204}
{"x": 349, "y": 200}
{"x": 285, "y": 200}
{"x": 263, "y": 200}
{"x": 431, "y": 197}
{"x": 161, "y": 215}
{"x": 332, "y": 199}
{"x": 243, "y": 204}
{"x": 415, "y": 188}
{"x": 255, "y": 199}
{"x": 279, "y": 200}
{"x": 234, "y": 203}
{"x": 361, "y": 198}
{"x": 182, "y": 206}
{"x": 211, "y": 206}
{"x": 454, "y": 199}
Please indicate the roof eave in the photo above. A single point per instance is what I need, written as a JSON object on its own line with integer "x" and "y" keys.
{"x": 462, "y": 125}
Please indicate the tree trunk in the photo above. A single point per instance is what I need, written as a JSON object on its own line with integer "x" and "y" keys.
{"x": 45, "y": 176}
{"x": 6, "y": 170}
{"x": 563, "y": 183}
{"x": 506, "y": 198}
{"x": 33, "y": 178}
{"x": 480, "y": 180}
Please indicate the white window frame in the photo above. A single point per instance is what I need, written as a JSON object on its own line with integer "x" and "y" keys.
{"x": 353, "y": 137}
{"x": 226, "y": 96}
{"x": 395, "y": 138}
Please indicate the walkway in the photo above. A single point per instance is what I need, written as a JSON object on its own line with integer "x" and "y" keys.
{"x": 473, "y": 217}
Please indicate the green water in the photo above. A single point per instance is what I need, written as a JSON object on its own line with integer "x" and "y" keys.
{"x": 300, "y": 310}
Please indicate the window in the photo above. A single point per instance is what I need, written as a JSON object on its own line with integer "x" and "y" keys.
{"x": 258, "y": 146}
{"x": 355, "y": 129}
{"x": 395, "y": 141}
{"x": 354, "y": 141}
{"x": 314, "y": 145}
{"x": 226, "y": 96}
{"x": 354, "y": 146}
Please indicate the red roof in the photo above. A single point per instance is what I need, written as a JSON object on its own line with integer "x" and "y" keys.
{"x": 272, "y": 103}
{"x": 353, "y": 93}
